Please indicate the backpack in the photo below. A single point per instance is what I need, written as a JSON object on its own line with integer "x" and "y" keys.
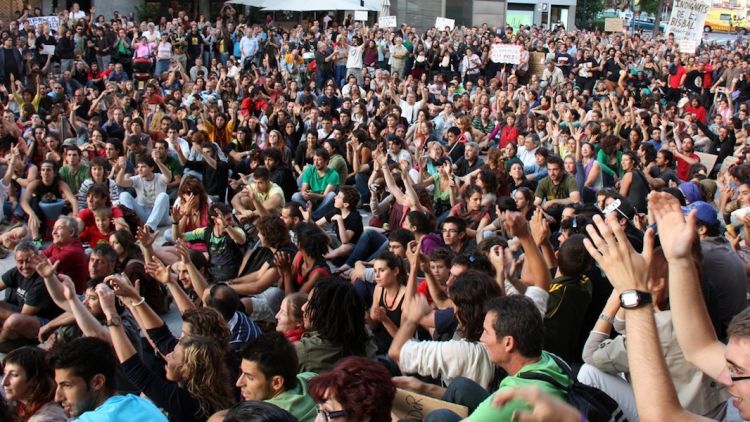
{"x": 594, "y": 404}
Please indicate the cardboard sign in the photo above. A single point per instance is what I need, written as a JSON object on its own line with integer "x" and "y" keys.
{"x": 387, "y": 22}
{"x": 360, "y": 15}
{"x": 686, "y": 23}
{"x": 708, "y": 160}
{"x": 614, "y": 25}
{"x": 442, "y": 23}
{"x": 506, "y": 53}
{"x": 413, "y": 406}
{"x": 47, "y": 50}
{"x": 37, "y": 21}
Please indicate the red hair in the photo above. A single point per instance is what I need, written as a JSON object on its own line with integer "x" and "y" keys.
{"x": 362, "y": 386}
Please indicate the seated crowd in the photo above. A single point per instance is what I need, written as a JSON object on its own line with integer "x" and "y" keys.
{"x": 218, "y": 221}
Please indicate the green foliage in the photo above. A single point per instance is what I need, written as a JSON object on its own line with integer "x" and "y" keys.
{"x": 148, "y": 11}
{"x": 586, "y": 12}
{"x": 650, "y": 6}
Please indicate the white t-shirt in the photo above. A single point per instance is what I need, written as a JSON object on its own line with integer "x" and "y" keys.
{"x": 148, "y": 189}
{"x": 354, "y": 60}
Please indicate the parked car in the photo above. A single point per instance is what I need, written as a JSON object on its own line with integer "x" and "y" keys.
{"x": 646, "y": 24}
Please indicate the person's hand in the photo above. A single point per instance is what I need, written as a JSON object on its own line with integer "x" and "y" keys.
{"x": 282, "y": 261}
{"x": 515, "y": 224}
{"x": 418, "y": 308}
{"x": 545, "y": 407}
{"x": 414, "y": 252}
{"x": 122, "y": 163}
{"x": 306, "y": 195}
{"x": 44, "y": 267}
{"x": 145, "y": 236}
{"x": 676, "y": 233}
{"x": 610, "y": 247}
{"x": 220, "y": 223}
{"x": 69, "y": 289}
{"x": 377, "y": 313}
{"x": 336, "y": 218}
{"x": 540, "y": 230}
{"x": 497, "y": 258}
{"x": 44, "y": 332}
{"x": 123, "y": 288}
{"x": 409, "y": 383}
{"x": 746, "y": 220}
{"x": 307, "y": 211}
{"x": 106, "y": 300}
{"x": 156, "y": 269}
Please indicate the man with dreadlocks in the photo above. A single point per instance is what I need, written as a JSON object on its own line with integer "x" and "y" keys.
{"x": 334, "y": 317}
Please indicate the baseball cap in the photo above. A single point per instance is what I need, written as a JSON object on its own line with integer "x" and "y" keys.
{"x": 705, "y": 213}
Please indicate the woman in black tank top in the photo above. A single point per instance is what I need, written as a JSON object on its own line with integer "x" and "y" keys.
{"x": 385, "y": 314}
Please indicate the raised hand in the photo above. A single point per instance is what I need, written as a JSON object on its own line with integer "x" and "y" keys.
{"x": 106, "y": 299}
{"x": 540, "y": 230}
{"x": 515, "y": 224}
{"x": 497, "y": 258}
{"x": 69, "y": 289}
{"x": 609, "y": 246}
{"x": 122, "y": 286}
{"x": 44, "y": 267}
{"x": 676, "y": 233}
{"x": 156, "y": 269}
{"x": 145, "y": 236}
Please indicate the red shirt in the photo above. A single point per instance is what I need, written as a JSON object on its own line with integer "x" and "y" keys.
{"x": 73, "y": 262}
{"x": 683, "y": 167}
{"x": 674, "y": 80}
{"x": 87, "y": 215}
{"x": 93, "y": 236}
{"x": 699, "y": 112}
{"x": 507, "y": 135}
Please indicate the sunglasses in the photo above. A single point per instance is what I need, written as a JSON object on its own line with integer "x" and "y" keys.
{"x": 329, "y": 416}
{"x": 736, "y": 379}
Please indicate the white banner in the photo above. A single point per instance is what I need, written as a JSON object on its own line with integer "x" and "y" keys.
{"x": 51, "y": 20}
{"x": 387, "y": 22}
{"x": 442, "y": 23}
{"x": 505, "y": 53}
{"x": 686, "y": 23}
{"x": 360, "y": 15}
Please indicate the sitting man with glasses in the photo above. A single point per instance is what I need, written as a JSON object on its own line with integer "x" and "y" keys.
{"x": 454, "y": 236}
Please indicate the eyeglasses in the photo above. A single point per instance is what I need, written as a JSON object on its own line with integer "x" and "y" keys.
{"x": 328, "y": 416}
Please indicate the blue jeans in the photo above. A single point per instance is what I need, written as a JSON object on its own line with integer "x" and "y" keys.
{"x": 321, "y": 207}
{"x": 368, "y": 247}
{"x": 339, "y": 73}
{"x": 461, "y": 391}
{"x": 360, "y": 180}
{"x": 162, "y": 65}
{"x": 155, "y": 216}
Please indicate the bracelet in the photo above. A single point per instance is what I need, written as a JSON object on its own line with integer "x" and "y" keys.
{"x": 139, "y": 303}
{"x": 607, "y": 318}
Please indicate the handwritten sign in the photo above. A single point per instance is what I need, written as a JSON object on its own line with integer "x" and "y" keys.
{"x": 413, "y": 406}
{"x": 686, "y": 23}
{"x": 614, "y": 25}
{"x": 505, "y": 53}
{"x": 442, "y": 23}
{"x": 52, "y": 21}
{"x": 387, "y": 22}
{"x": 360, "y": 15}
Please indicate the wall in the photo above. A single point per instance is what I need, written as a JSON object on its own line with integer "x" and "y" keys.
{"x": 491, "y": 12}
{"x": 108, "y": 7}
{"x": 418, "y": 13}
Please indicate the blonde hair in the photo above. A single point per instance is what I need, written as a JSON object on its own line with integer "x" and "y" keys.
{"x": 205, "y": 374}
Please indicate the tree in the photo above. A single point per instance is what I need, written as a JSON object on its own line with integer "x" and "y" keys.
{"x": 654, "y": 7}
{"x": 586, "y": 12}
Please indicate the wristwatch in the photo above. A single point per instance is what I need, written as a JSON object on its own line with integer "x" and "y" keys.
{"x": 114, "y": 321}
{"x": 633, "y": 299}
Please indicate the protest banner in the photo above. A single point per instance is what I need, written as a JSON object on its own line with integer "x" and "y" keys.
{"x": 686, "y": 23}
{"x": 614, "y": 25}
{"x": 506, "y": 53}
{"x": 387, "y": 22}
{"x": 360, "y": 15}
{"x": 38, "y": 20}
{"x": 442, "y": 23}
{"x": 414, "y": 406}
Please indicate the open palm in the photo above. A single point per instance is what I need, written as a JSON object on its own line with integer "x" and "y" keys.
{"x": 676, "y": 233}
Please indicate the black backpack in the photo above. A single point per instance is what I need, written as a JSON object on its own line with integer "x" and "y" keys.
{"x": 593, "y": 403}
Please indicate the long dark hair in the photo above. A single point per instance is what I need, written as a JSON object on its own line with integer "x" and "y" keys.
{"x": 337, "y": 312}
{"x": 127, "y": 241}
{"x": 469, "y": 292}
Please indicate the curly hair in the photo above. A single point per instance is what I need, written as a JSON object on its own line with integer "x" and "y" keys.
{"x": 207, "y": 322}
{"x": 193, "y": 185}
{"x": 469, "y": 292}
{"x": 273, "y": 230}
{"x": 364, "y": 389}
{"x": 205, "y": 374}
{"x": 39, "y": 374}
{"x": 312, "y": 240}
{"x": 337, "y": 312}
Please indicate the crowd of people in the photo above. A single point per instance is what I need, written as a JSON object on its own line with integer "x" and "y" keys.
{"x": 342, "y": 213}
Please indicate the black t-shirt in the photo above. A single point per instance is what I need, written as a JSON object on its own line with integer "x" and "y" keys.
{"x": 352, "y": 222}
{"x": 283, "y": 177}
{"x": 29, "y": 291}
{"x": 214, "y": 179}
{"x": 194, "y": 44}
{"x": 262, "y": 255}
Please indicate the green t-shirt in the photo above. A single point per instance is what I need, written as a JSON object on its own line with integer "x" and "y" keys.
{"x": 297, "y": 401}
{"x": 338, "y": 163}
{"x": 74, "y": 180}
{"x": 486, "y": 412}
{"x": 549, "y": 191}
{"x": 319, "y": 184}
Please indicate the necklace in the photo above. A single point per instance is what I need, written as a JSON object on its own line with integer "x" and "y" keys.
{"x": 385, "y": 299}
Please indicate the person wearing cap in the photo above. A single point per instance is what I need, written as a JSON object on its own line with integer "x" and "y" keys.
{"x": 725, "y": 289}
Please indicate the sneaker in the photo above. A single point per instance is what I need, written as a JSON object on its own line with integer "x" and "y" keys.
{"x": 37, "y": 243}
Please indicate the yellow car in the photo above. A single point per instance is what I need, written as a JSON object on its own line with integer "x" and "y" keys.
{"x": 725, "y": 20}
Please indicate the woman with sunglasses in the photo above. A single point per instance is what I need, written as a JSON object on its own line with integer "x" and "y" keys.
{"x": 189, "y": 212}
